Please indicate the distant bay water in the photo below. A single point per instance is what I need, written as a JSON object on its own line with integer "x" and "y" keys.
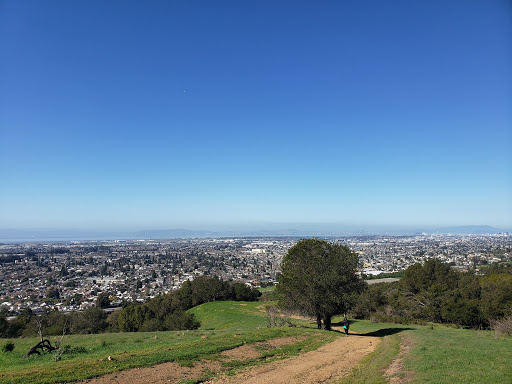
{"x": 48, "y": 236}
{"x": 62, "y": 239}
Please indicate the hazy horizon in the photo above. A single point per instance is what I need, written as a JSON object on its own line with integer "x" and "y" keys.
{"x": 301, "y": 229}
{"x": 191, "y": 115}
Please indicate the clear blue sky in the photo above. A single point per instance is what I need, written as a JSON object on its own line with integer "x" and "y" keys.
{"x": 196, "y": 114}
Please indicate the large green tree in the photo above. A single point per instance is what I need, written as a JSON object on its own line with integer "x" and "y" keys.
{"x": 319, "y": 279}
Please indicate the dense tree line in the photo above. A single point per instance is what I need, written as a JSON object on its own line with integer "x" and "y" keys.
{"x": 164, "y": 312}
{"x": 434, "y": 292}
{"x": 168, "y": 312}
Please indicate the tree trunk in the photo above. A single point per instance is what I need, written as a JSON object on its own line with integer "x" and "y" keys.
{"x": 327, "y": 322}
{"x": 319, "y": 321}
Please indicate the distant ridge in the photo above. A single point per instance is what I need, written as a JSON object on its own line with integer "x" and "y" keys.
{"x": 189, "y": 233}
{"x": 58, "y": 234}
{"x": 470, "y": 230}
{"x": 173, "y": 233}
{"x": 30, "y": 235}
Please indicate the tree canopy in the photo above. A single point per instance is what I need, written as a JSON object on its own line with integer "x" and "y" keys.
{"x": 162, "y": 313}
{"x": 434, "y": 292}
{"x": 319, "y": 279}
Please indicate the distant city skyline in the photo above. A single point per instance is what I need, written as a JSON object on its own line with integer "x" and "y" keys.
{"x": 126, "y": 115}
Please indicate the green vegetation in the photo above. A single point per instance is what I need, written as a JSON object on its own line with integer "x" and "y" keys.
{"x": 128, "y": 350}
{"x": 502, "y": 267}
{"x": 230, "y": 316}
{"x": 8, "y": 346}
{"x": 433, "y": 292}
{"x": 318, "y": 279}
{"x": 371, "y": 368}
{"x": 447, "y": 355}
{"x": 438, "y": 354}
{"x": 208, "y": 316}
{"x": 162, "y": 313}
{"x": 225, "y": 325}
{"x": 268, "y": 293}
{"x": 397, "y": 274}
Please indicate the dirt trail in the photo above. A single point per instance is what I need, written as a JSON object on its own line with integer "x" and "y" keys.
{"x": 396, "y": 373}
{"x": 319, "y": 366}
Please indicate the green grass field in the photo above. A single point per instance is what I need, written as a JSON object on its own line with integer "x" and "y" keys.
{"x": 224, "y": 325}
{"x": 445, "y": 355}
{"x": 438, "y": 354}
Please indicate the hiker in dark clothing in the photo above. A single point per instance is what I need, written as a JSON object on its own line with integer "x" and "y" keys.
{"x": 345, "y": 324}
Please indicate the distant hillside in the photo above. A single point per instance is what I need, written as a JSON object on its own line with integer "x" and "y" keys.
{"x": 58, "y": 234}
{"x": 302, "y": 230}
{"x": 173, "y": 233}
{"x": 471, "y": 230}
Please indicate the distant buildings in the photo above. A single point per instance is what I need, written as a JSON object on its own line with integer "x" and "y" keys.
{"x": 70, "y": 276}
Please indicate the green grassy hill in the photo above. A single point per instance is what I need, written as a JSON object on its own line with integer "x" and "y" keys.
{"x": 437, "y": 355}
{"x": 224, "y": 325}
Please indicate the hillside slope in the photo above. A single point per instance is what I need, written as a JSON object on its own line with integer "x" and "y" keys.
{"x": 234, "y": 338}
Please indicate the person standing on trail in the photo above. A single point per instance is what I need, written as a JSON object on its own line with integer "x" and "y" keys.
{"x": 345, "y": 324}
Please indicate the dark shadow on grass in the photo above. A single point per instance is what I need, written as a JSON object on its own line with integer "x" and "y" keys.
{"x": 383, "y": 332}
{"x": 379, "y": 333}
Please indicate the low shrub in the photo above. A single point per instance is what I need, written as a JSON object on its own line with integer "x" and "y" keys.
{"x": 68, "y": 349}
{"x": 8, "y": 347}
{"x": 502, "y": 327}
{"x": 275, "y": 318}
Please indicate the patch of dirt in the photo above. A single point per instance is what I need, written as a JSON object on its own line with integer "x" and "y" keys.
{"x": 161, "y": 373}
{"x": 244, "y": 352}
{"x": 396, "y": 373}
{"x": 282, "y": 342}
{"x": 325, "y": 364}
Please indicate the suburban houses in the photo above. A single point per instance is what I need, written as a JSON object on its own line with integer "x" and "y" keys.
{"x": 74, "y": 275}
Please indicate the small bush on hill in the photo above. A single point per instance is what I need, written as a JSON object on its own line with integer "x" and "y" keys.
{"x": 275, "y": 318}
{"x": 68, "y": 349}
{"x": 502, "y": 327}
{"x": 8, "y": 347}
{"x": 180, "y": 320}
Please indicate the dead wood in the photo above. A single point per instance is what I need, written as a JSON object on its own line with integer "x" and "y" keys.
{"x": 42, "y": 346}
